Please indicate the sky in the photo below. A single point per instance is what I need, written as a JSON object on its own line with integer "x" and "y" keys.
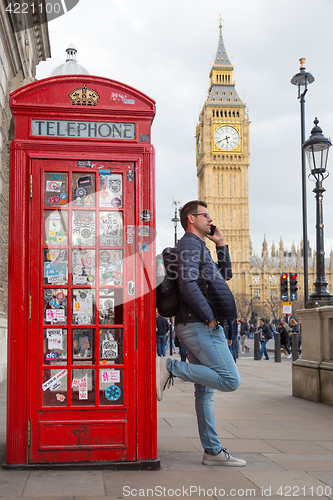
{"x": 166, "y": 50}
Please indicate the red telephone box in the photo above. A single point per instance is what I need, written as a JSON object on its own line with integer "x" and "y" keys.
{"x": 81, "y": 362}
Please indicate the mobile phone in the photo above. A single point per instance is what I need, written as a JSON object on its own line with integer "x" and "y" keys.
{"x": 212, "y": 229}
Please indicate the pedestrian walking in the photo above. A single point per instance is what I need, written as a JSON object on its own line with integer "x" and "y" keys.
{"x": 162, "y": 327}
{"x": 208, "y": 300}
{"x": 265, "y": 336}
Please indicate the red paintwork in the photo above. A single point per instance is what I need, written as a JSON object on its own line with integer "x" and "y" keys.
{"x": 94, "y": 432}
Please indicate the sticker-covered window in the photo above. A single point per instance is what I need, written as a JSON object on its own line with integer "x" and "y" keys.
{"x": 83, "y": 190}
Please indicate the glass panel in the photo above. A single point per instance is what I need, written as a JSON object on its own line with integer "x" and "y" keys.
{"x": 55, "y": 306}
{"x": 54, "y": 387}
{"x": 83, "y": 346}
{"x": 83, "y": 267}
{"x": 110, "y": 189}
{"x": 83, "y": 387}
{"x": 110, "y": 306}
{"x": 83, "y": 190}
{"x": 56, "y": 267}
{"x": 56, "y": 224}
{"x": 111, "y": 386}
{"x": 55, "y": 189}
{"x": 83, "y": 307}
{"x": 54, "y": 346}
{"x": 83, "y": 231}
{"x": 111, "y": 346}
{"x": 111, "y": 267}
{"x": 111, "y": 229}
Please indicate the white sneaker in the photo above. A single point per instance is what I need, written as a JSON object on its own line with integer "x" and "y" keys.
{"x": 163, "y": 377}
{"x": 223, "y": 458}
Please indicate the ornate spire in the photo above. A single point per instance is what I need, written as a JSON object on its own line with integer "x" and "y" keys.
{"x": 221, "y": 59}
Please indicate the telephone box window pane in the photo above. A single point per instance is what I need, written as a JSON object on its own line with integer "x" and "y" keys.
{"x": 83, "y": 307}
{"x": 56, "y": 224}
{"x": 54, "y": 387}
{"x": 110, "y": 306}
{"x": 55, "y": 306}
{"x": 83, "y": 346}
{"x": 83, "y": 231}
{"x": 54, "y": 346}
{"x": 55, "y": 267}
{"x": 111, "y": 229}
{"x": 111, "y": 386}
{"x": 83, "y": 267}
{"x": 111, "y": 346}
{"x": 110, "y": 189}
{"x": 83, "y": 190}
{"x": 111, "y": 267}
{"x": 55, "y": 189}
{"x": 83, "y": 387}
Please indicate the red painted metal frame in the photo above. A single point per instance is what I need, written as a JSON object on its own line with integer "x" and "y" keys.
{"x": 48, "y": 99}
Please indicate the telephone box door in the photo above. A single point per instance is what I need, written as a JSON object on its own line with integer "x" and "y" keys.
{"x": 82, "y": 334}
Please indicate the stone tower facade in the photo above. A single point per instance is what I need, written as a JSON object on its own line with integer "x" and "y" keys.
{"x": 223, "y": 156}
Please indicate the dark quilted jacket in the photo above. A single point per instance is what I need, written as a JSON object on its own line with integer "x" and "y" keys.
{"x": 194, "y": 277}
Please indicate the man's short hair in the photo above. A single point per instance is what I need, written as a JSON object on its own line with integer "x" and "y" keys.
{"x": 262, "y": 319}
{"x": 191, "y": 207}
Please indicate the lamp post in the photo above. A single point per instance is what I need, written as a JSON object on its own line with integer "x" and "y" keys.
{"x": 317, "y": 147}
{"x": 302, "y": 80}
{"x": 176, "y": 219}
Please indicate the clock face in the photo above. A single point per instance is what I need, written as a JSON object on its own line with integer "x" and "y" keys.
{"x": 199, "y": 144}
{"x": 226, "y": 138}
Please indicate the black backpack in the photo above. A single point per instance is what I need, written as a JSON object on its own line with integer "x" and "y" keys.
{"x": 168, "y": 297}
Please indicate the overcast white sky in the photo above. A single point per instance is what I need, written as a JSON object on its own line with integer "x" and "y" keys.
{"x": 166, "y": 50}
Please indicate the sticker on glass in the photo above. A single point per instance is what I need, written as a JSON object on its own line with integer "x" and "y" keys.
{"x": 110, "y": 189}
{"x": 83, "y": 228}
{"x": 109, "y": 349}
{"x": 111, "y": 229}
{"x": 143, "y": 230}
{"x": 54, "y": 338}
{"x": 112, "y": 393}
{"x": 55, "y": 272}
{"x": 111, "y": 267}
{"x": 83, "y": 306}
{"x": 82, "y": 385}
{"x": 83, "y": 190}
{"x": 110, "y": 376}
{"x": 83, "y": 267}
{"x": 145, "y": 215}
{"x": 55, "y": 229}
{"x": 60, "y": 397}
{"x": 54, "y": 380}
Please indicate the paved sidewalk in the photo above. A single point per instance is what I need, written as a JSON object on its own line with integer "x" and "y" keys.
{"x": 287, "y": 443}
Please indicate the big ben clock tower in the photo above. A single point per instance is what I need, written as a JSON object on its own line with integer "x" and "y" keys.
{"x": 222, "y": 147}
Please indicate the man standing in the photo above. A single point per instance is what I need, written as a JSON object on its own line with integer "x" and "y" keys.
{"x": 265, "y": 336}
{"x": 207, "y": 299}
{"x": 244, "y": 333}
{"x": 162, "y": 327}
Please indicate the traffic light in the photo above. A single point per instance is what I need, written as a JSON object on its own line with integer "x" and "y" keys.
{"x": 284, "y": 286}
{"x": 293, "y": 286}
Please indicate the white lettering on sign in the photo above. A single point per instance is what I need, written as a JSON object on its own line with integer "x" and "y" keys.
{"x": 86, "y": 130}
{"x": 52, "y": 381}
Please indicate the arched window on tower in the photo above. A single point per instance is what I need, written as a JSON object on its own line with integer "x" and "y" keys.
{"x": 213, "y": 113}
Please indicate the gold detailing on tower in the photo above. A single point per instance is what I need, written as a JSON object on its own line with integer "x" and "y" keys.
{"x": 302, "y": 61}
{"x": 84, "y": 96}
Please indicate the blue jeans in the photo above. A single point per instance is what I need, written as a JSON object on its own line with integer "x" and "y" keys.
{"x": 263, "y": 350}
{"x": 160, "y": 345}
{"x": 210, "y": 367}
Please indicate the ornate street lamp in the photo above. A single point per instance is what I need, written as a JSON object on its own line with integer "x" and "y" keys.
{"x": 317, "y": 147}
{"x": 176, "y": 219}
{"x": 302, "y": 80}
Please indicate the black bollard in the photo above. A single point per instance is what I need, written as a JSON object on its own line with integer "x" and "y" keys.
{"x": 295, "y": 346}
{"x": 256, "y": 354}
{"x": 277, "y": 338}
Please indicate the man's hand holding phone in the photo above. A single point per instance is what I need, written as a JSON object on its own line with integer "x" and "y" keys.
{"x": 216, "y": 236}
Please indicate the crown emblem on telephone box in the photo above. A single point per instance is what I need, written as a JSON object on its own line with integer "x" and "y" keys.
{"x": 84, "y": 96}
